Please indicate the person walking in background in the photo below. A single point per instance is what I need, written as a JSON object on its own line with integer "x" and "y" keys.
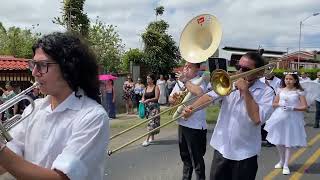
{"x": 162, "y": 84}
{"x": 274, "y": 82}
{"x": 128, "y": 94}
{"x": 317, "y": 115}
{"x": 304, "y": 77}
{"x": 8, "y": 93}
{"x": 150, "y": 99}
{"x": 138, "y": 91}
{"x": 171, "y": 82}
{"x": 110, "y": 99}
{"x": 286, "y": 125}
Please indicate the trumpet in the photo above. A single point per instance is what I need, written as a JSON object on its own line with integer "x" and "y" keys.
{"x": 16, "y": 119}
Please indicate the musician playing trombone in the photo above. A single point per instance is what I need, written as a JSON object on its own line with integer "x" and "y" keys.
{"x": 236, "y": 138}
{"x": 66, "y": 135}
{"x": 193, "y": 132}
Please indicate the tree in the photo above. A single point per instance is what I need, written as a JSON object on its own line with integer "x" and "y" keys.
{"x": 161, "y": 53}
{"x": 134, "y": 55}
{"x": 107, "y": 44}
{"x": 159, "y": 11}
{"x": 16, "y": 41}
{"x": 73, "y": 18}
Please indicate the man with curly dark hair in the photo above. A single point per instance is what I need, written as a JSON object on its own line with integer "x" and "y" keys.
{"x": 66, "y": 135}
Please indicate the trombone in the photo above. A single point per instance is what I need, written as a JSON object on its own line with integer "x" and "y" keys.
{"x": 222, "y": 84}
{"x": 16, "y": 119}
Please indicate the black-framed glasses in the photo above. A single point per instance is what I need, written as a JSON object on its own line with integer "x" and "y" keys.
{"x": 41, "y": 66}
{"x": 242, "y": 68}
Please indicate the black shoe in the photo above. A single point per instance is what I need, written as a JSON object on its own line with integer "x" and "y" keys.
{"x": 267, "y": 144}
{"x": 316, "y": 126}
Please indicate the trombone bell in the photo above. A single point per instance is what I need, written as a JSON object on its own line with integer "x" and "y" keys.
{"x": 222, "y": 82}
{"x": 200, "y": 38}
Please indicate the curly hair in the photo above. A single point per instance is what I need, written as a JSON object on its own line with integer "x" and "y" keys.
{"x": 77, "y": 62}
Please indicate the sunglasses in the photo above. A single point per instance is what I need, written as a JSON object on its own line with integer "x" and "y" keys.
{"x": 242, "y": 68}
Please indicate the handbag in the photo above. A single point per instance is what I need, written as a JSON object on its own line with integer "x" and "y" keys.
{"x": 142, "y": 111}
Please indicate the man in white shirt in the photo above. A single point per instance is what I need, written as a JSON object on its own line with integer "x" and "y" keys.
{"x": 66, "y": 135}
{"x": 192, "y": 132}
{"x": 304, "y": 77}
{"x": 237, "y": 137}
{"x": 317, "y": 115}
{"x": 274, "y": 82}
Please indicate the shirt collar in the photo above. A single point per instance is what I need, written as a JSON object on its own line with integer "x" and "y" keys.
{"x": 257, "y": 85}
{"x": 71, "y": 102}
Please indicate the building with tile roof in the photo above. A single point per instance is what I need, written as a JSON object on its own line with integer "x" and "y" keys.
{"x": 15, "y": 70}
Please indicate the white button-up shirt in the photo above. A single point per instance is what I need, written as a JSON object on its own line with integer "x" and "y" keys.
{"x": 198, "y": 119}
{"x": 235, "y": 135}
{"x": 274, "y": 83}
{"x": 72, "y": 138}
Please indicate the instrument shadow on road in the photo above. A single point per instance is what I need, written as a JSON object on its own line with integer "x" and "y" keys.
{"x": 164, "y": 142}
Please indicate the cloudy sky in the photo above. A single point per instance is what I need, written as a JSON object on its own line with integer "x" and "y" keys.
{"x": 271, "y": 24}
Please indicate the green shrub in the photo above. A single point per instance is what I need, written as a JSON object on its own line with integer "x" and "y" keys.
{"x": 311, "y": 72}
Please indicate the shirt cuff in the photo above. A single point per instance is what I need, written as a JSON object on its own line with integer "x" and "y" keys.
{"x": 71, "y": 166}
{"x": 213, "y": 94}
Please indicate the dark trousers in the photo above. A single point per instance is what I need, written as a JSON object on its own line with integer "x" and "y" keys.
{"x": 225, "y": 169}
{"x": 264, "y": 133}
{"x": 192, "y": 145}
{"x": 317, "y": 118}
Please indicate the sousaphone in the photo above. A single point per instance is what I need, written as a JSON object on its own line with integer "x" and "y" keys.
{"x": 200, "y": 38}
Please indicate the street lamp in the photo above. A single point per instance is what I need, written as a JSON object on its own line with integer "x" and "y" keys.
{"x": 314, "y": 14}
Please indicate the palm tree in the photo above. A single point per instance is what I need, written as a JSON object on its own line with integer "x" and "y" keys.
{"x": 159, "y": 11}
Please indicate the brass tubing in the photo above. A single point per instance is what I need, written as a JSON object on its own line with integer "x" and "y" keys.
{"x": 144, "y": 121}
{"x": 110, "y": 152}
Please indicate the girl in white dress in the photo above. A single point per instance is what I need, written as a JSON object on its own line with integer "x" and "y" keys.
{"x": 286, "y": 125}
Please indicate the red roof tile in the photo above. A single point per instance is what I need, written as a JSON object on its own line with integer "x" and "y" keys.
{"x": 12, "y": 63}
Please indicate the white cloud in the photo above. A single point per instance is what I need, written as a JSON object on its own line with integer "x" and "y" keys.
{"x": 247, "y": 23}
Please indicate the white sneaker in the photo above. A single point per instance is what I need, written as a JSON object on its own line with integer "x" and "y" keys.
{"x": 278, "y": 165}
{"x": 145, "y": 143}
{"x": 286, "y": 171}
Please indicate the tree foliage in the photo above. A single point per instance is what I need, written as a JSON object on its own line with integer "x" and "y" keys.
{"x": 161, "y": 53}
{"x": 16, "y": 41}
{"x": 107, "y": 44}
{"x": 134, "y": 55}
{"x": 159, "y": 11}
{"x": 73, "y": 18}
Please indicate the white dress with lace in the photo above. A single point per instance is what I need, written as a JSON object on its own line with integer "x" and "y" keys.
{"x": 287, "y": 127}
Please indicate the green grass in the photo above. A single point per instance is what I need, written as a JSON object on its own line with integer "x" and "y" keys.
{"x": 212, "y": 114}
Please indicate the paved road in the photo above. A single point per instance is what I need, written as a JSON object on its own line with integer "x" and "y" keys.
{"x": 161, "y": 161}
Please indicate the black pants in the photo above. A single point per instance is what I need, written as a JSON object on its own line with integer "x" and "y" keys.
{"x": 264, "y": 133}
{"x": 225, "y": 169}
{"x": 192, "y": 145}
{"x": 317, "y": 115}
